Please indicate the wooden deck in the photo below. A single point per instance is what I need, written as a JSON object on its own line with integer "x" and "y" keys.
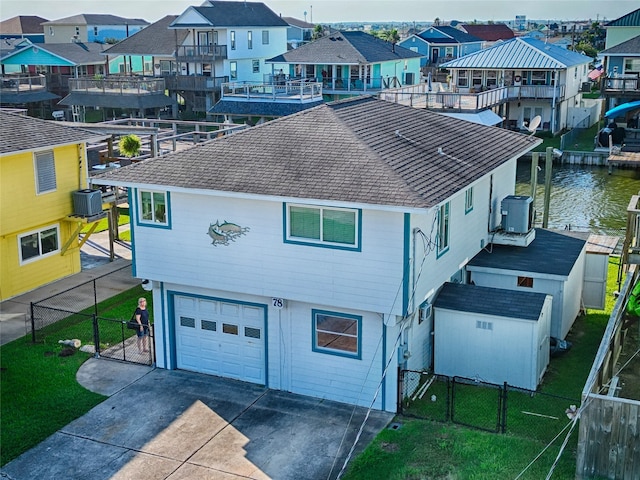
{"x": 624, "y": 158}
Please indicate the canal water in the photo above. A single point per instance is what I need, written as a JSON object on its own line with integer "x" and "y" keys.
{"x": 584, "y": 198}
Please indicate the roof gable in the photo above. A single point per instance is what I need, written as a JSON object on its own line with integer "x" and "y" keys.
{"x": 359, "y": 151}
{"x": 346, "y": 48}
{"x": 57, "y": 54}
{"x": 222, "y": 14}
{"x": 22, "y": 24}
{"x": 631, "y": 19}
{"x": 521, "y": 53}
{"x": 447, "y": 35}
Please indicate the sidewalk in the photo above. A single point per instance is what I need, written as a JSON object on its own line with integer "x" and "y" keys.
{"x": 15, "y": 320}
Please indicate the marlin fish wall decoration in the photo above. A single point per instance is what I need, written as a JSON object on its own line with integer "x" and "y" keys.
{"x": 223, "y": 233}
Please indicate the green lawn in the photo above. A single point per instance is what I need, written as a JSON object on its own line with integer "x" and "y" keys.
{"x": 38, "y": 389}
{"x": 426, "y": 449}
{"x": 103, "y": 224}
{"x": 583, "y": 143}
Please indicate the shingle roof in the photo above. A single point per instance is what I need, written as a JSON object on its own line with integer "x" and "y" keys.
{"x": 20, "y": 133}
{"x": 455, "y": 36}
{"x": 96, "y": 19}
{"x": 490, "y": 301}
{"x": 263, "y": 109}
{"x": 139, "y": 102}
{"x": 550, "y": 253}
{"x": 490, "y": 33}
{"x": 631, "y": 19}
{"x": 240, "y": 14}
{"x": 347, "y": 48}
{"x": 295, "y": 22}
{"x": 156, "y": 39}
{"x": 517, "y": 53}
{"x": 22, "y": 24}
{"x": 360, "y": 150}
{"x": 76, "y": 52}
{"x": 630, "y": 47}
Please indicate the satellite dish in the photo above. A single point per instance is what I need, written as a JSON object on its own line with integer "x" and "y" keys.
{"x": 534, "y": 124}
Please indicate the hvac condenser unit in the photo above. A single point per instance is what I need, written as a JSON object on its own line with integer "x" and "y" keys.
{"x": 517, "y": 214}
{"x": 87, "y": 203}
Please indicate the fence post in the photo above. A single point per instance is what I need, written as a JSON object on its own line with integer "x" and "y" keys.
{"x": 33, "y": 326}
{"x": 504, "y": 407}
{"x": 400, "y": 390}
{"x": 95, "y": 298}
{"x": 451, "y": 404}
{"x": 96, "y": 333}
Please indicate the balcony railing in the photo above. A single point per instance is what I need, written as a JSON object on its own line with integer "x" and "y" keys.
{"x": 419, "y": 96}
{"x": 22, "y": 83}
{"x": 298, "y": 91}
{"x": 359, "y": 85}
{"x": 622, "y": 84}
{"x": 201, "y": 53}
{"x": 115, "y": 85}
{"x": 194, "y": 83}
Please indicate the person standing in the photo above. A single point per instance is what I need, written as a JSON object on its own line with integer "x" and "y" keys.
{"x": 142, "y": 317}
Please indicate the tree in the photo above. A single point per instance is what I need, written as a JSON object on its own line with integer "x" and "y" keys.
{"x": 130, "y": 145}
{"x": 436, "y": 22}
{"x": 318, "y": 32}
{"x": 393, "y": 37}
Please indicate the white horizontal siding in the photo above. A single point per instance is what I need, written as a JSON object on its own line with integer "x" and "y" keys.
{"x": 261, "y": 263}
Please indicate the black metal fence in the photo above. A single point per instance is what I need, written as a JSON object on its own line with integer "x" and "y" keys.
{"x": 96, "y": 315}
{"x": 485, "y": 406}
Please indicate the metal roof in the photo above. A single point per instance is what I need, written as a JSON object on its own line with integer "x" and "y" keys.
{"x": 497, "y": 302}
{"x": 631, "y": 19}
{"x": 520, "y": 53}
{"x": 263, "y": 109}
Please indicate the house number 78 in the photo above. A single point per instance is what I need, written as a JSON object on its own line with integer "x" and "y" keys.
{"x": 277, "y": 303}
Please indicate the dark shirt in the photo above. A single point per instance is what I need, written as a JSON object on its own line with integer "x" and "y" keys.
{"x": 144, "y": 315}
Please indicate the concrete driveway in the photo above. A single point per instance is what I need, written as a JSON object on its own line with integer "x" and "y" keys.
{"x": 179, "y": 425}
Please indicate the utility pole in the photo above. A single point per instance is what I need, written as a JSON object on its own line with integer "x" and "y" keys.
{"x": 548, "y": 167}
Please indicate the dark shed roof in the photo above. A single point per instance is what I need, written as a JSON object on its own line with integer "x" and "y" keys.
{"x": 550, "y": 253}
{"x": 490, "y": 301}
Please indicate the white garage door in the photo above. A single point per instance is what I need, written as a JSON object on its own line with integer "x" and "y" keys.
{"x": 220, "y": 337}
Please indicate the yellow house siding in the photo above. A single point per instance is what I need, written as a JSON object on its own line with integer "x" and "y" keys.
{"x": 23, "y": 210}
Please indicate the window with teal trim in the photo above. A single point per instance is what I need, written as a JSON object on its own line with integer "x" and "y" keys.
{"x": 443, "y": 229}
{"x": 468, "y": 200}
{"x": 322, "y": 225}
{"x": 153, "y": 207}
{"x": 336, "y": 333}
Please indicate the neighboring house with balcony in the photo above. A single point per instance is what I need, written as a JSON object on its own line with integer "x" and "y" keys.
{"x": 48, "y": 68}
{"x": 299, "y": 32}
{"x": 41, "y": 164}
{"x": 621, "y": 82}
{"x": 530, "y": 77}
{"x": 440, "y": 44}
{"x": 303, "y": 254}
{"x": 226, "y": 41}
{"x": 88, "y": 27}
{"x": 350, "y": 63}
{"x": 23, "y": 26}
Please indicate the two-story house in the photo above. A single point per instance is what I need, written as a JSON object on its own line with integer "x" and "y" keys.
{"x": 440, "y": 44}
{"x": 303, "y": 253}
{"x": 621, "y": 79}
{"x": 299, "y": 32}
{"x": 534, "y": 79}
{"x": 41, "y": 164}
{"x": 226, "y": 41}
{"x": 89, "y": 27}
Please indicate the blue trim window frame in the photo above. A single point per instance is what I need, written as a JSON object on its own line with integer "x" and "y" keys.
{"x": 153, "y": 208}
{"x": 468, "y": 200}
{"x": 337, "y": 333}
{"x": 329, "y": 227}
{"x": 443, "y": 229}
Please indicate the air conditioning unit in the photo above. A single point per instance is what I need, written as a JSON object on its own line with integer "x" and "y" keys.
{"x": 517, "y": 214}
{"x": 87, "y": 203}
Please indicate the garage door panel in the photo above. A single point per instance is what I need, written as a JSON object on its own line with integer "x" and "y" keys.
{"x": 221, "y": 338}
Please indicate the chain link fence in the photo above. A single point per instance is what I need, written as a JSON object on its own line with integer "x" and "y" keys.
{"x": 484, "y": 406}
{"x": 96, "y": 314}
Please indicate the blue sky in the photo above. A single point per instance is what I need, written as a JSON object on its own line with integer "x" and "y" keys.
{"x": 325, "y": 11}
